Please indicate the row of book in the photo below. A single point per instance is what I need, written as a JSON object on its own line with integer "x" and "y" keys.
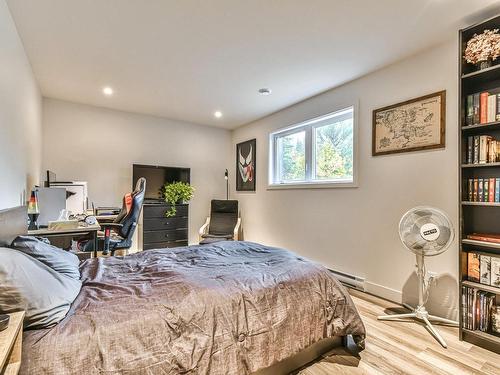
{"x": 484, "y": 269}
{"x": 482, "y": 108}
{"x": 483, "y": 189}
{"x": 479, "y": 311}
{"x": 482, "y": 149}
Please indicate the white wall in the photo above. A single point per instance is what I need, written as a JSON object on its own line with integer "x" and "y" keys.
{"x": 20, "y": 117}
{"x": 355, "y": 229}
{"x": 100, "y": 145}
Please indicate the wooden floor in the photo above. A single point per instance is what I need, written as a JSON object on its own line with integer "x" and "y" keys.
{"x": 403, "y": 348}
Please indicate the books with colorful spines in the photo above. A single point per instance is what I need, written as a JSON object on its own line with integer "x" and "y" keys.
{"x": 470, "y": 189}
{"x": 497, "y": 189}
{"x": 486, "y": 190}
{"x": 483, "y": 107}
{"x": 480, "y": 190}
{"x": 485, "y": 269}
{"x": 476, "y": 190}
{"x": 469, "y": 118}
{"x": 483, "y": 148}
{"x": 492, "y": 151}
{"x": 475, "y": 108}
{"x": 491, "y": 192}
{"x": 475, "y": 159}
{"x": 492, "y": 108}
{"x": 473, "y": 265}
{"x": 495, "y": 271}
{"x": 484, "y": 237}
{"x": 470, "y": 149}
{"x": 498, "y": 108}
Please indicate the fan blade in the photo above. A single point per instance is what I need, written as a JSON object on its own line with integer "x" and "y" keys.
{"x": 444, "y": 235}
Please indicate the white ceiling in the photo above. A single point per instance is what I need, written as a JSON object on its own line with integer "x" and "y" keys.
{"x": 185, "y": 59}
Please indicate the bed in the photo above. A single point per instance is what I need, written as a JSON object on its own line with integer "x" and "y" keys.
{"x": 225, "y": 308}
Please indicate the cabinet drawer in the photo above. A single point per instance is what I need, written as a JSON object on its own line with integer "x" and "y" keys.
{"x": 165, "y": 223}
{"x": 159, "y": 211}
{"x": 165, "y": 235}
{"x": 162, "y": 245}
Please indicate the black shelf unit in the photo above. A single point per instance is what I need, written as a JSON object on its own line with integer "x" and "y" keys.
{"x": 481, "y": 217}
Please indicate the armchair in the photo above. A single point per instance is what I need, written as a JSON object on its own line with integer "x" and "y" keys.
{"x": 223, "y": 223}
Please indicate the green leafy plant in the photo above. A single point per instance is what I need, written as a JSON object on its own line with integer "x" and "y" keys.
{"x": 175, "y": 193}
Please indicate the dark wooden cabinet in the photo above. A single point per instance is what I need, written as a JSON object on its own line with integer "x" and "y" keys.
{"x": 158, "y": 231}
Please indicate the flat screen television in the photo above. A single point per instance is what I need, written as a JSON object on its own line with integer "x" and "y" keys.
{"x": 156, "y": 176}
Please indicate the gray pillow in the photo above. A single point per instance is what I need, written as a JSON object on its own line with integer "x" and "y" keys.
{"x": 28, "y": 284}
{"x": 59, "y": 260}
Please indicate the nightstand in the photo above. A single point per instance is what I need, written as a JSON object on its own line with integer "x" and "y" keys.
{"x": 11, "y": 341}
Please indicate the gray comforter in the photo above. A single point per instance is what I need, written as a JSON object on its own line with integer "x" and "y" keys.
{"x": 226, "y": 308}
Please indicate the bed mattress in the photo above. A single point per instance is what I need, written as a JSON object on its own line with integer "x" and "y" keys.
{"x": 225, "y": 308}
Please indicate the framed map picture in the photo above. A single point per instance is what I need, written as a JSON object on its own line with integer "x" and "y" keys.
{"x": 245, "y": 165}
{"x": 417, "y": 124}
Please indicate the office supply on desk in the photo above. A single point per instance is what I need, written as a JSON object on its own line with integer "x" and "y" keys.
{"x": 63, "y": 225}
{"x": 50, "y": 203}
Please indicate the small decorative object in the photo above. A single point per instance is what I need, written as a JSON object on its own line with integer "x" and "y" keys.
{"x": 33, "y": 211}
{"x": 176, "y": 193}
{"x": 482, "y": 49}
{"x": 417, "y": 124}
{"x": 245, "y": 165}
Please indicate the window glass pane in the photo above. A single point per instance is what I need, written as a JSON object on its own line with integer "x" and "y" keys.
{"x": 291, "y": 157}
{"x": 333, "y": 150}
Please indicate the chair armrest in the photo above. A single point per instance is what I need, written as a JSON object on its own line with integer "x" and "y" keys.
{"x": 111, "y": 225}
{"x": 204, "y": 228}
{"x": 236, "y": 233}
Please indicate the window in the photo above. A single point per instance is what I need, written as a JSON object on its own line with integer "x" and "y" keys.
{"x": 317, "y": 152}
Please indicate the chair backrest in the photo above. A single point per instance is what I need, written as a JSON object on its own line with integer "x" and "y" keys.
{"x": 223, "y": 216}
{"x": 131, "y": 209}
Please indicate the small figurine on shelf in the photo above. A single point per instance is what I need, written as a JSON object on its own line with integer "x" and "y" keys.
{"x": 33, "y": 211}
{"x": 483, "y": 49}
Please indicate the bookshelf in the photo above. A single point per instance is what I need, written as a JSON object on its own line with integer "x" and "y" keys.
{"x": 477, "y": 216}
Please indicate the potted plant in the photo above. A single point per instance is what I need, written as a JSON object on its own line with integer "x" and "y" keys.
{"x": 482, "y": 49}
{"x": 176, "y": 193}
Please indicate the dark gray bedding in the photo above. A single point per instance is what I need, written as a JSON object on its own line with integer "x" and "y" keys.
{"x": 226, "y": 308}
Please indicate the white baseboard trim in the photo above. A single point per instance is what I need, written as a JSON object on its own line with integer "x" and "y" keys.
{"x": 384, "y": 292}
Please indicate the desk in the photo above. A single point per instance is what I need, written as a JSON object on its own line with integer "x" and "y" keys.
{"x": 11, "y": 341}
{"x": 81, "y": 230}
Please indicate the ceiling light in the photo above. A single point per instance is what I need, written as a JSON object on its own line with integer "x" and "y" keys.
{"x": 218, "y": 114}
{"x": 265, "y": 91}
{"x": 108, "y": 91}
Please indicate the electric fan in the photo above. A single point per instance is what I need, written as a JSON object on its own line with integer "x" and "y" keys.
{"x": 425, "y": 231}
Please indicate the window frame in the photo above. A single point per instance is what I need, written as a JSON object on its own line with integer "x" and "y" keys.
{"x": 310, "y": 126}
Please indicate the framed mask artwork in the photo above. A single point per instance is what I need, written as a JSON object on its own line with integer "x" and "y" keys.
{"x": 245, "y": 165}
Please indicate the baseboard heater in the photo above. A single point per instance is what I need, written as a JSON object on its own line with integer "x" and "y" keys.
{"x": 351, "y": 281}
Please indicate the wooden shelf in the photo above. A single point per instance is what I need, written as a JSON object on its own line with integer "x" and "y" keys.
{"x": 487, "y": 288}
{"x": 491, "y": 245}
{"x": 486, "y": 204}
{"x": 483, "y": 339}
{"x": 492, "y": 70}
{"x": 481, "y": 127}
{"x": 485, "y": 165}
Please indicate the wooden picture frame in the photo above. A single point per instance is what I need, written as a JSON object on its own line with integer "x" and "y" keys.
{"x": 414, "y": 125}
{"x": 246, "y": 153}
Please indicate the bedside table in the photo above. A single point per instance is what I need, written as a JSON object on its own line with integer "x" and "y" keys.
{"x": 11, "y": 341}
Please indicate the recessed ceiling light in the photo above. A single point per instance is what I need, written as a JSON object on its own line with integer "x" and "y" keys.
{"x": 218, "y": 114}
{"x": 108, "y": 91}
{"x": 265, "y": 91}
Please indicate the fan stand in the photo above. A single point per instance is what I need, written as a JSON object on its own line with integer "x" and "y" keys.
{"x": 420, "y": 312}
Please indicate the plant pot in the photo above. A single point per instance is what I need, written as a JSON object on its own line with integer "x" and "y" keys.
{"x": 484, "y": 64}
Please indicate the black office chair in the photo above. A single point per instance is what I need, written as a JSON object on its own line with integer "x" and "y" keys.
{"x": 223, "y": 223}
{"x": 118, "y": 234}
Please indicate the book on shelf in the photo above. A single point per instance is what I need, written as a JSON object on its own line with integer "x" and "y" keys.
{"x": 473, "y": 265}
{"x": 482, "y": 149}
{"x": 478, "y": 308}
{"x": 470, "y": 150}
{"x": 485, "y": 190}
{"x": 495, "y": 271}
{"x": 485, "y": 269}
{"x": 484, "y": 237}
{"x": 482, "y": 108}
{"x": 495, "y": 319}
